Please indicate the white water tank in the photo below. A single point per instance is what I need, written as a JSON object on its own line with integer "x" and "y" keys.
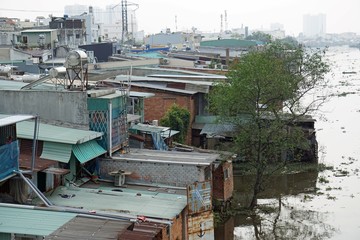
{"x": 76, "y": 58}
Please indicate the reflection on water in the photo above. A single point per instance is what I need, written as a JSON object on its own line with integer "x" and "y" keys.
{"x": 314, "y": 205}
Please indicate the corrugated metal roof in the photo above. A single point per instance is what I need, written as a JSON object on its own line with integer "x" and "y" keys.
{"x": 7, "y": 120}
{"x": 150, "y": 204}
{"x": 51, "y": 133}
{"x": 62, "y": 152}
{"x": 155, "y": 86}
{"x": 57, "y": 151}
{"x": 132, "y": 117}
{"x": 148, "y": 128}
{"x": 17, "y": 85}
{"x": 86, "y": 151}
{"x": 171, "y": 157}
{"x": 141, "y": 94}
{"x": 172, "y": 78}
{"x": 31, "y": 221}
{"x": 90, "y": 228}
{"x": 169, "y": 133}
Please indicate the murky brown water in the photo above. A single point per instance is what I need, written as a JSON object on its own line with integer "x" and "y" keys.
{"x": 323, "y": 205}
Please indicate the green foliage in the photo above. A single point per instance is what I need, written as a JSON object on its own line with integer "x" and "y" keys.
{"x": 264, "y": 99}
{"x": 290, "y": 42}
{"x": 177, "y": 118}
{"x": 260, "y": 36}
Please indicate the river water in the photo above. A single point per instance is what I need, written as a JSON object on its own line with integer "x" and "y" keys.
{"x": 315, "y": 205}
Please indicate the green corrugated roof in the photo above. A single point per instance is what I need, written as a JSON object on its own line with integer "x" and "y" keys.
{"x": 57, "y": 151}
{"x": 86, "y": 151}
{"x": 231, "y": 43}
{"x": 51, "y": 133}
{"x": 62, "y": 152}
{"x": 31, "y": 221}
{"x": 150, "y": 204}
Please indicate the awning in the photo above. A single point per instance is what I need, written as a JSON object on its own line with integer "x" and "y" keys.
{"x": 62, "y": 152}
{"x": 148, "y": 128}
{"x": 86, "y": 151}
{"x": 57, "y": 151}
{"x": 169, "y": 133}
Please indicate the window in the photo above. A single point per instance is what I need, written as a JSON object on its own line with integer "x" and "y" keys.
{"x": 226, "y": 174}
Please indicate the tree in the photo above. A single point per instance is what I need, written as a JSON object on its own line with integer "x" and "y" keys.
{"x": 260, "y": 36}
{"x": 265, "y": 99}
{"x": 177, "y": 118}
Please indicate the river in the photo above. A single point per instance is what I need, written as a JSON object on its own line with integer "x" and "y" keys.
{"x": 315, "y": 205}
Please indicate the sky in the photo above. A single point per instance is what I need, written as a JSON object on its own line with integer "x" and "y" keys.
{"x": 154, "y": 16}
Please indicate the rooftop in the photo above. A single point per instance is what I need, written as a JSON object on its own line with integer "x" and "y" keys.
{"x": 57, "y": 134}
{"x": 170, "y": 157}
{"x": 31, "y": 221}
{"x": 120, "y": 201}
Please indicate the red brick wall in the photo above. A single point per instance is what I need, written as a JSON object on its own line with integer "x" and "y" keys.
{"x": 156, "y": 107}
{"x": 178, "y": 226}
{"x": 223, "y": 188}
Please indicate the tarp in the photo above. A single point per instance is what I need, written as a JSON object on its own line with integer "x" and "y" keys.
{"x": 159, "y": 143}
{"x": 9, "y": 157}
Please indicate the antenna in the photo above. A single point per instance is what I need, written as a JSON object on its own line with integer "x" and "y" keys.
{"x": 226, "y": 22}
{"x": 175, "y": 23}
{"x": 221, "y": 24}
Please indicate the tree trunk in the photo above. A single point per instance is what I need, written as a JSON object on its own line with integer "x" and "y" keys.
{"x": 257, "y": 188}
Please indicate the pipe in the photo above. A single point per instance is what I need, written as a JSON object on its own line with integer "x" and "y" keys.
{"x": 34, "y": 144}
{"x": 33, "y": 187}
{"x": 110, "y": 129}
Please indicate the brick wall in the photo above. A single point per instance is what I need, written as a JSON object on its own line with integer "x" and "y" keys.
{"x": 170, "y": 174}
{"x": 156, "y": 107}
{"x": 179, "y": 226}
{"x": 223, "y": 188}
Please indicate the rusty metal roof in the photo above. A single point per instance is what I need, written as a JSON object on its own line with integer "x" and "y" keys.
{"x": 90, "y": 228}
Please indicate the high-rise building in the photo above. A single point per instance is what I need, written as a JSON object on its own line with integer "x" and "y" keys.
{"x": 314, "y": 25}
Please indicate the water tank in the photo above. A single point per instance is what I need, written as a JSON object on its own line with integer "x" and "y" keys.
{"x": 57, "y": 72}
{"x": 76, "y": 58}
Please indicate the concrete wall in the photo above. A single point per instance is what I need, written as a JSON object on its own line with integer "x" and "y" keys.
{"x": 170, "y": 174}
{"x": 174, "y": 62}
{"x": 69, "y": 106}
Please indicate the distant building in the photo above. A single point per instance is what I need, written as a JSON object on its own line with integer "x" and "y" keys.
{"x": 177, "y": 40}
{"x": 314, "y": 25}
{"x": 38, "y": 38}
{"x": 70, "y": 31}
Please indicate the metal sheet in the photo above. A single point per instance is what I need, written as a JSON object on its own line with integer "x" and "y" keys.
{"x": 201, "y": 226}
{"x": 87, "y": 151}
{"x": 31, "y": 221}
{"x": 7, "y": 120}
{"x": 199, "y": 197}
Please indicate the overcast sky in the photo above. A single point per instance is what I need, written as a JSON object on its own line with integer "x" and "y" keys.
{"x": 156, "y": 15}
